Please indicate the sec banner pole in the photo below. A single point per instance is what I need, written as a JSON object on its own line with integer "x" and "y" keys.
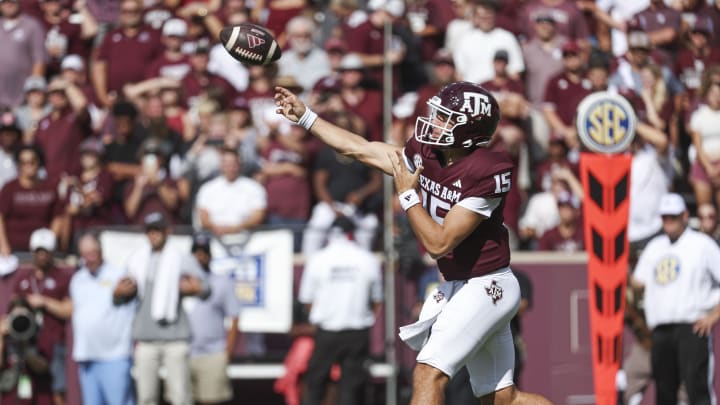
{"x": 606, "y": 126}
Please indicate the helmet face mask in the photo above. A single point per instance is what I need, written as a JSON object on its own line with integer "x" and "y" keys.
{"x": 461, "y": 115}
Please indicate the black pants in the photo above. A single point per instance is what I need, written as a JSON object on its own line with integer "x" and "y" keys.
{"x": 349, "y": 348}
{"x": 679, "y": 355}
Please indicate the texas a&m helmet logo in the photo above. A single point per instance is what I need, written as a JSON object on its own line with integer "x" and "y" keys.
{"x": 494, "y": 291}
{"x": 475, "y": 104}
{"x": 254, "y": 41}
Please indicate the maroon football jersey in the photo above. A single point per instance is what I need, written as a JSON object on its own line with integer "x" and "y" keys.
{"x": 483, "y": 173}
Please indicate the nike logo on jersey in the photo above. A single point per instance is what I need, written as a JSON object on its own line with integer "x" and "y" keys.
{"x": 458, "y": 184}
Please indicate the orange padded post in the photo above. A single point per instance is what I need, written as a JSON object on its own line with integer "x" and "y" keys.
{"x": 606, "y": 205}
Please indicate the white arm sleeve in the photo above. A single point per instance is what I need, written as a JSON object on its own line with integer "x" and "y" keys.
{"x": 483, "y": 206}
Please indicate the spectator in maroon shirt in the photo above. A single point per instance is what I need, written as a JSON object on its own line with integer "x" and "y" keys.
{"x": 88, "y": 195}
{"x": 152, "y": 190}
{"x": 27, "y": 203}
{"x": 509, "y": 92}
{"x": 713, "y": 12}
{"x": 336, "y": 48}
{"x": 544, "y": 55}
{"x": 563, "y": 94}
{"x": 60, "y": 133}
{"x": 367, "y": 103}
{"x": 46, "y": 289}
{"x": 284, "y": 174}
{"x": 428, "y": 20}
{"x": 172, "y": 62}
{"x": 22, "y": 39}
{"x": 567, "y": 236}
{"x": 124, "y": 53}
{"x": 692, "y": 60}
{"x": 147, "y": 97}
{"x": 203, "y": 26}
{"x": 200, "y": 82}
{"x": 63, "y": 37}
{"x": 663, "y": 26}
{"x": 259, "y": 94}
{"x": 598, "y": 72}
{"x": 159, "y": 12}
{"x": 73, "y": 70}
{"x": 556, "y": 158}
{"x": 569, "y": 20}
{"x": 443, "y": 73}
{"x": 325, "y": 96}
{"x": 367, "y": 39}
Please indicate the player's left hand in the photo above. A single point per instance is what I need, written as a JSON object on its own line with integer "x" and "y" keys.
{"x": 404, "y": 179}
{"x": 705, "y": 325}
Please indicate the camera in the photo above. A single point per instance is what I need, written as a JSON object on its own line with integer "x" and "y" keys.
{"x": 22, "y": 326}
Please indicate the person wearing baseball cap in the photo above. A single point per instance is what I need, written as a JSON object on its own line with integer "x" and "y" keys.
{"x": 155, "y": 221}
{"x": 35, "y": 106}
{"x": 211, "y": 347}
{"x": 672, "y": 205}
{"x": 159, "y": 276}
{"x": 47, "y": 290}
{"x": 172, "y": 62}
{"x": 678, "y": 271}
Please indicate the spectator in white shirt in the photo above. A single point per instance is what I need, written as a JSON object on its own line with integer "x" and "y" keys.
{"x": 477, "y": 67}
{"x": 230, "y": 203}
{"x": 102, "y": 330}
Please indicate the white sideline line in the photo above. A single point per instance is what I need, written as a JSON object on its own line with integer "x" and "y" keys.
{"x": 276, "y": 370}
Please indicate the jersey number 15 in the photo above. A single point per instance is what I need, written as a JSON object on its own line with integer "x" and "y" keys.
{"x": 502, "y": 183}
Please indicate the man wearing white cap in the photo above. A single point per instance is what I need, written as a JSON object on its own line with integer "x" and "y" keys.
{"x": 679, "y": 271}
{"x": 172, "y": 62}
{"x": 72, "y": 69}
{"x": 46, "y": 289}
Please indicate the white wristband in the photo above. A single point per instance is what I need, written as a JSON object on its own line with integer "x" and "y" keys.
{"x": 308, "y": 118}
{"x": 408, "y": 199}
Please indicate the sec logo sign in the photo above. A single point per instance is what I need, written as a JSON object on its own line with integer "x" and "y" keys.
{"x": 606, "y": 122}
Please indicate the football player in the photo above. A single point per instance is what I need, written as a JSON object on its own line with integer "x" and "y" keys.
{"x": 453, "y": 189}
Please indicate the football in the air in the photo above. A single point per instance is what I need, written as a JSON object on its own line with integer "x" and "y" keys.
{"x": 250, "y": 44}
